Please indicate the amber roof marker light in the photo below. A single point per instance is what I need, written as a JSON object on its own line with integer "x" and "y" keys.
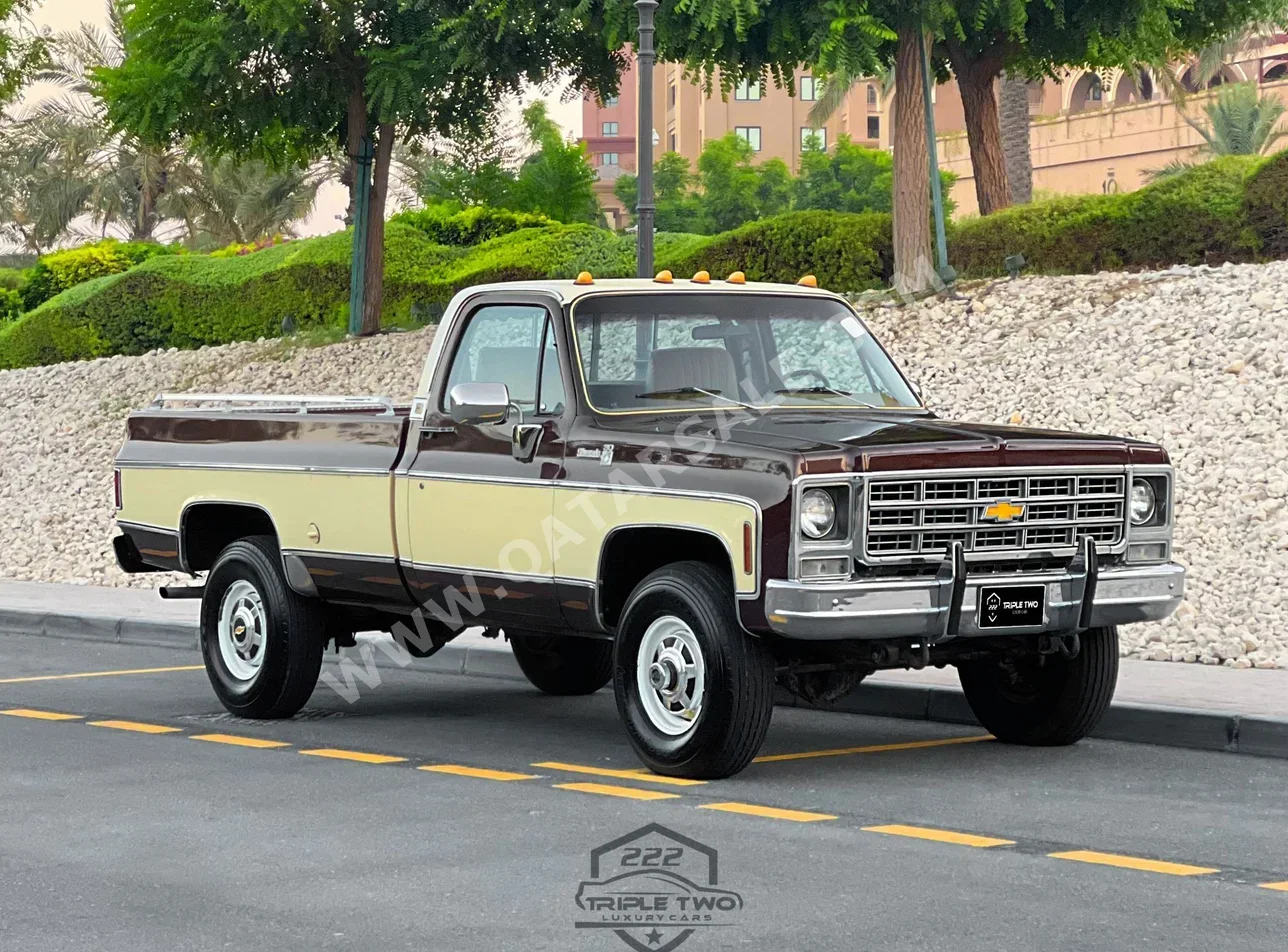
{"x": 702, "y": 277}
{"x": 663, "y": 277}
{"x": 736, "y": 277}
{"x": 584, "y": 278}
{"x": 808, "y": 281}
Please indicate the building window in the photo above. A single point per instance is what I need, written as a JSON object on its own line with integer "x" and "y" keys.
{"x": 610, "y": 158}
{"x": 672, "y": 141}
{"x": 812, "y": 139}
{"x": 809, "y": 88}
{"x": 747, "y": 91}
{"x": 750, "y": 135}
{"x": 608, "y": 129}
{"x": 874, "y": 127}
{"x": 611, "y": 101}
{"x": 872, "y": 95}
{"x": 672, "y": 94}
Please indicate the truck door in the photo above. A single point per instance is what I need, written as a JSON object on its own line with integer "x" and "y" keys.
{"x": 478, "y": 507}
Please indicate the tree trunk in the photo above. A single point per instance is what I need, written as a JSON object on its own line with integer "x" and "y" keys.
{"x": 1016, "y": 146}
{"x": 913, "y": 269}
{"x": 384, "y": 150}
{"x": 983, "y": 130}
{"x": 356, "y": 128}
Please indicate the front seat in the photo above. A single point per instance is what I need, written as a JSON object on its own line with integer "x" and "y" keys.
{"x": 711, "y": 368}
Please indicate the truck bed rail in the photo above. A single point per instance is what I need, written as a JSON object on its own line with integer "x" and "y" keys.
{"x": 262, "y": 402}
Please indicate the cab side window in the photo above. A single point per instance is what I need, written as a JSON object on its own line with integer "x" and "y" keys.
{"x": 511, "y": 344}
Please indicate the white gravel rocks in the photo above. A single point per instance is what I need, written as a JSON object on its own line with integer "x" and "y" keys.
{"x": 1194, "y": 358}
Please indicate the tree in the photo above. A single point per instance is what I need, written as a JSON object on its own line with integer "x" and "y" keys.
{"x": 557, "y": 179}
{"x": 729, "y": 181}
{"x": 1013, "y": 106}
{"x": 21, "y": 50}
{"x": 851, "y": 178}
{"x": 42, "y": 189}
{"x": 911, "y": 198}
{"x": 288, "y": 81}
{"x": 1240, "y": 121}
{"x": 679, "y": 208}
{"x": 231, "y": 202}
{"x": 476, "y": 167}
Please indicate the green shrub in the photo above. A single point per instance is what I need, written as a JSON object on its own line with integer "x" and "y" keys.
{"x": 60, "y": 270}
{"x": 1190, "y": 218}
{"x": 470, "y": 226}
{"x": 11, "y": 278}
{"x": 1265, "y": 202}
{"x": 845, "y": 251}
{"x": 10, "y": 305}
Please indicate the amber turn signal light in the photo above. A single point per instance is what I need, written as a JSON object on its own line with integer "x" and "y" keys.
{"x": 808, "y": 281}
{"x": 702, "y": 277}
{"x": 663, "y": 277}
{"x": 736, "y": 277}
{"x": 584, "y": 278}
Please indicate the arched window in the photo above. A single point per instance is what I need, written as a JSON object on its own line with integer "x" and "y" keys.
{"x": 872, "y": 95}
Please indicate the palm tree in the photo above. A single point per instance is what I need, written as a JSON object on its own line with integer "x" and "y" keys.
{"x": 224, "y": 201}
{"x": 1013, "y": 109}
{"x": 1240, "y": 121}
{"x": 42, "y": 190}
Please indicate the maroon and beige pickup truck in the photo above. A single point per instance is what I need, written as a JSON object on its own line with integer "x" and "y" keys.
{"x": 696, "y": 489}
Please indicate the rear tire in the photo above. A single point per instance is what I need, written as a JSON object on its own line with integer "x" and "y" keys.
{"x": 262, "y": 642}
{"x": 694, "y": 690}
{"x": 563, "y": 665}
{"x": 1052, "y": 704}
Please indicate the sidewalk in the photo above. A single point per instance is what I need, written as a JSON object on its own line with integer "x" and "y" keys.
{"x": 1175, "y": 705}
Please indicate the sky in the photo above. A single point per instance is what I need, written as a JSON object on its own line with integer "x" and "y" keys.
{"x": 332, "y": 197}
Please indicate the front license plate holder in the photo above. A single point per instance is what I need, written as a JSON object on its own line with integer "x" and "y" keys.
{"x": 1011, "y": 606}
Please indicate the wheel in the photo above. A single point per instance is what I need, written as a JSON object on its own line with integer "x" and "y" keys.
{"x": 563, "y": 665}
{"x": 694, "y": 690}
{"x": 262, "y": 642}
{"x": 1045, "y": 701}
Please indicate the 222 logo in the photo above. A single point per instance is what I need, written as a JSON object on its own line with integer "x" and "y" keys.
{"x": 654, "y": 889}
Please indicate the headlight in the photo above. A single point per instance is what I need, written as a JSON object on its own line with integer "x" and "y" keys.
{"x": 1143, "y": 502}
{"x": 818, "y": 513}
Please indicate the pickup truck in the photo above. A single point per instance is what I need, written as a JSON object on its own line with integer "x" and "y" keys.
{"x": 699, "y": 490}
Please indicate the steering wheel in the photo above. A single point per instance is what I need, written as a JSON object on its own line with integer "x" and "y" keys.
{"x": 816, "y": 374}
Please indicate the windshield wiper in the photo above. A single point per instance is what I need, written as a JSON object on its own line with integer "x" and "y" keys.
{"x": 821, "y": 389}
{"x": 689, "y": 392}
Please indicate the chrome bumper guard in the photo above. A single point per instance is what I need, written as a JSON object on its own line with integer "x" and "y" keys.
{"x": 945, "y": 606}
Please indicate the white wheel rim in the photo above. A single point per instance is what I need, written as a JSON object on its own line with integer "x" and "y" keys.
{"x": 242, "y": 629}
{"x": 671, "y": 676}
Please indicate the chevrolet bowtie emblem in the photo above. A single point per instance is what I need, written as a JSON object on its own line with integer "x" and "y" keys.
{"x": 1003, "y": 511}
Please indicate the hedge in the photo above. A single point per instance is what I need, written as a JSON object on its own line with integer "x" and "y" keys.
{"x": 845, "y": 251}
{"x": 11, "y": 278}
{"x": 470, "y": 226}
{"x": 60, "y": 270}
{"x": 1193, "y": 218}
{"x": 1265, "y": 202}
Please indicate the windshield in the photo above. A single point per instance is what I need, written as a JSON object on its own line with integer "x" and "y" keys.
{"x": 658, "y": 351}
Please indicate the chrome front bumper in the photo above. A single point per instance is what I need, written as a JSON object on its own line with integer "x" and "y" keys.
{"x": 924, "y": 607}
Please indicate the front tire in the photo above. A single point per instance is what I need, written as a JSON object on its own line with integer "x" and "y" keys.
{"x": 694, "y": 690}
{"x": 564, "y": 666}
{"x": 1050, "y": 701}
{"x": 262, "y": 642}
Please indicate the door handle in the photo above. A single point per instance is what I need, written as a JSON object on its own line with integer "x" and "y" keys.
{"x": 525, "y": 438}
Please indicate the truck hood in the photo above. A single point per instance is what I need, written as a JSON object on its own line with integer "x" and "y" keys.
{"x": 889, "y": 440}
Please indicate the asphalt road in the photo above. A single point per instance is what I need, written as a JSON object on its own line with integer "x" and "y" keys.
{"x": 140, "y": 820}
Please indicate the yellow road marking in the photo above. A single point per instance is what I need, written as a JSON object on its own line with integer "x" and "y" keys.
{"x": 874, "y": 749}
{"x": 240, "y": 741}
{"x": 41, "y": 715}
{"x": 608, "y": 790}
{"x": 137, "y": 727}
{"x": 939, "y": 836}
{"x": 774, "y": 813}
{"x": 103, "y": 674}
{"x": 1281, "y": 887}
{"x": 1134, "y": 862}
{"x": 459, "y": 770}
{"x": 620, "y": 774}
{"x": 354, "y": 755}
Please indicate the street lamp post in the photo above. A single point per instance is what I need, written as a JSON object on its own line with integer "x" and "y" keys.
{"x": 644, "y": 207}
{"x": 946, "y": 273}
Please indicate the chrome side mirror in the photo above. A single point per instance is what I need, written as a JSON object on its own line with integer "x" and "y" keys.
{"x": 476, "y": 404}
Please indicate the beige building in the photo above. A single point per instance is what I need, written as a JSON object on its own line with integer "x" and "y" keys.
{"x": 1092, "y": 131}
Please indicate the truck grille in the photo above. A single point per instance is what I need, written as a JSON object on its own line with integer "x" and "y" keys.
{"x": 925, "y": 516}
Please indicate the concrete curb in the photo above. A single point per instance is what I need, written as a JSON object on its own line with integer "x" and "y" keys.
{"x": 1194, "y": 729}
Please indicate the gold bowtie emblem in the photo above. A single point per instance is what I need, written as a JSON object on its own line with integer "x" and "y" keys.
{"x": 1003, "y": 511}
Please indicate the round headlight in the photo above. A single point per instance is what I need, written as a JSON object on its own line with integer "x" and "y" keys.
{"x": 1142, "y": 502}
{"x": 818, "y": 513}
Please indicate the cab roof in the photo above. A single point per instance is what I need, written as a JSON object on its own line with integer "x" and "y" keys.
{"x": 568, "y": 290}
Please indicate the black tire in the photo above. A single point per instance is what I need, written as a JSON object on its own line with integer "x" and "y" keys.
{"x": 563, "y": 665}
{"x": 738, "y": 698}
{"x": 293, "y": 634}
{"x": 1051, "y": 704}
